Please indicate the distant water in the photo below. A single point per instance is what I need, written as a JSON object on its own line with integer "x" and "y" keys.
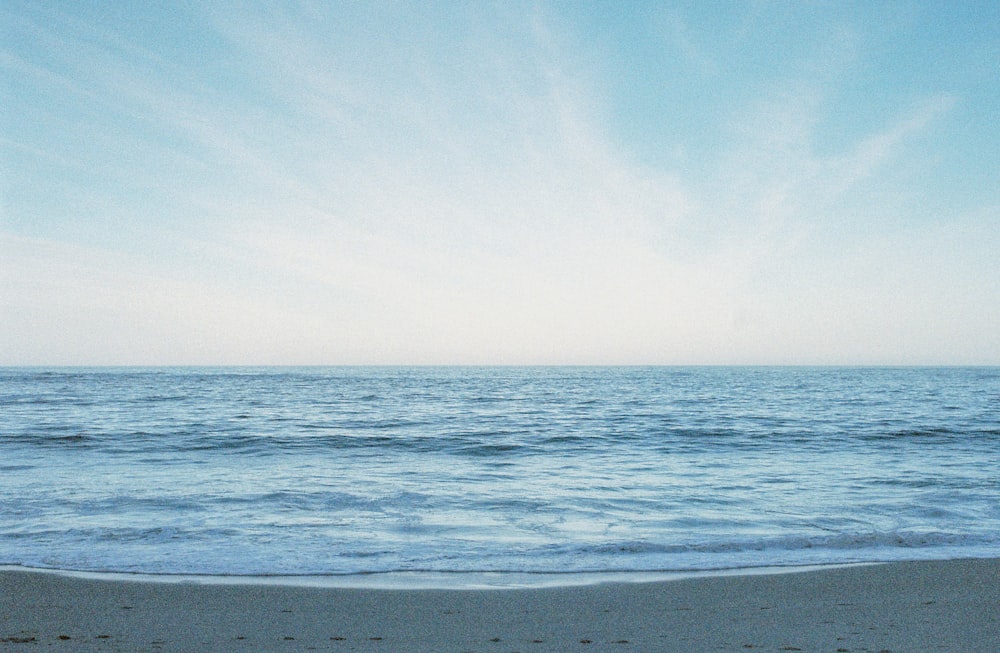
{"x": 357, "y": 470}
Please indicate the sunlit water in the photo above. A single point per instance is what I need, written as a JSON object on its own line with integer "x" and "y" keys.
{"x": 359, "y": 470}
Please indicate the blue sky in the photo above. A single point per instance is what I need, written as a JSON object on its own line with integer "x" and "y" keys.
{"x": 513, "y": 182}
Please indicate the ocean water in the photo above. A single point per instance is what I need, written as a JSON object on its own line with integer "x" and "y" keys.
{"x": 361, "y": 470}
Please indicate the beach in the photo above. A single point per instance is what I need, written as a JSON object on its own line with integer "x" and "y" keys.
{"x": 903, "y": 606}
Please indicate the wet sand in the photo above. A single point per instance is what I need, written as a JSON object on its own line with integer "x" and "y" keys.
{"x": 910, "y": 606}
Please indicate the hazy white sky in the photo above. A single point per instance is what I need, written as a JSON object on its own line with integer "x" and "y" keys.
{"x": 511, "y": 182}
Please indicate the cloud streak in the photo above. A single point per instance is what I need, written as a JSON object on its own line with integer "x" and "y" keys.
{"x": 338, "y": 187}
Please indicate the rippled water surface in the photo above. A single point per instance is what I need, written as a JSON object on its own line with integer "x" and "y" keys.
{"x": 353, "y": 470}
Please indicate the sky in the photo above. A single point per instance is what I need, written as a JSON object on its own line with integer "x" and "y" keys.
{"x": 226, "y": 183}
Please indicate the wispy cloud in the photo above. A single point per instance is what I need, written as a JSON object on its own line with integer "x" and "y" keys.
{"x": 408, "y": 190}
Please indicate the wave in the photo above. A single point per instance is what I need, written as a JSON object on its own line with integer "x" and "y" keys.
{"x": 201, "y": 557}
{"x": 355, "y": 470}
{"x": 53, "y": 440}
{"x": 867, "y": 541}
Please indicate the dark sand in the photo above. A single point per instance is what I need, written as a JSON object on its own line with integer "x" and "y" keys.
{"x": 912, "y": 606}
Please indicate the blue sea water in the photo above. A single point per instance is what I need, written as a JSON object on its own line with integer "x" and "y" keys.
{"x": 358, "y": 470}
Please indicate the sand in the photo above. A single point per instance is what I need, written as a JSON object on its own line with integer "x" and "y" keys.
{"x": 910, "y": 606}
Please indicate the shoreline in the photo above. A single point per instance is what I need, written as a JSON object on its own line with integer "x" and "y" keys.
{"x": 895, "y": 606}
{"x": 435, "y": 580}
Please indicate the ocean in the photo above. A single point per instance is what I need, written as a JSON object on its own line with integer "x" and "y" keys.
{"x": 356, "y": 472}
